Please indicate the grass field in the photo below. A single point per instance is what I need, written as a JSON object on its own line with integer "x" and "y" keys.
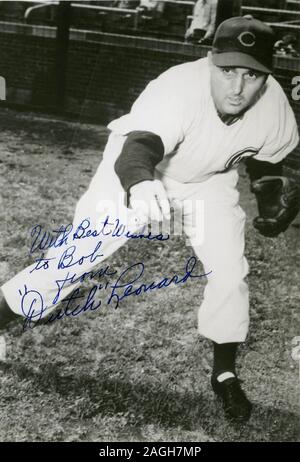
{"x": 139, "y": 373}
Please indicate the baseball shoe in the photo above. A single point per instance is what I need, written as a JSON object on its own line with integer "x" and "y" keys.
{"x": 235, "y": 403}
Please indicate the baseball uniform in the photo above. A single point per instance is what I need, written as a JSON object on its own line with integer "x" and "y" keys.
{"x": 199, "y": 164}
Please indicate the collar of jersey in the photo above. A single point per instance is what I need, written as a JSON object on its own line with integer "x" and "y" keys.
{"x": 228, "y": 119}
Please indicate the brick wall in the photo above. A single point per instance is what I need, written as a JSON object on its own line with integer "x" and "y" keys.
{"x": 105, "y": 72}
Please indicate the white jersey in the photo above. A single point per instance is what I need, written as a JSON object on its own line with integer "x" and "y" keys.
{"x": 178, "y": 107}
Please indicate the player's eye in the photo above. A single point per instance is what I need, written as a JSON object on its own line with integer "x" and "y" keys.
{"x": 228, "y": 71}
{"x": 251, "y": 75}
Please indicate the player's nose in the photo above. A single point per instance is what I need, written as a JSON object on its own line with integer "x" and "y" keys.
{"x": 237, "y": 85}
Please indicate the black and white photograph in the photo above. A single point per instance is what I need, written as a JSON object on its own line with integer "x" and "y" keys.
{"x": 149, "y": 224}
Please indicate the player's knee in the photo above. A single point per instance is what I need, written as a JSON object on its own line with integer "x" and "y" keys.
{"x": 229, "y": 277}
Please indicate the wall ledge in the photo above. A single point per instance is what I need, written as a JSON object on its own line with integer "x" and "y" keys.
{"x": 128, "y": 41}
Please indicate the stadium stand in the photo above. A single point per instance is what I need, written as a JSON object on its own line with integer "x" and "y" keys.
{"x": 163, "y": 19}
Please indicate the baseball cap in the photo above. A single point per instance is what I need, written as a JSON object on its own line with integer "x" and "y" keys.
{"x": 244, "y": 42}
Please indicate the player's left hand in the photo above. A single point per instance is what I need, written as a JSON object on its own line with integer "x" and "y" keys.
{"x": 278, "y": 200}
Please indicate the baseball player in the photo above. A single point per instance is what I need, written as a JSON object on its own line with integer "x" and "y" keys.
{"x": 203, "y": 25}
{"x": 181, "y": 143}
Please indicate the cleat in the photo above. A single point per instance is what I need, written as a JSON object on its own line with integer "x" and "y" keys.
{"x": 235, "y": 403}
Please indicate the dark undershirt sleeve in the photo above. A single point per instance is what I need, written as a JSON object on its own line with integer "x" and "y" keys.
{"x": 258, "y": 168}
{"x": 141, "y": 152}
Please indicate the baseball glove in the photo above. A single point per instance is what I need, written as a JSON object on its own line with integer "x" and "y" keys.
{"x": 278, "y": 200}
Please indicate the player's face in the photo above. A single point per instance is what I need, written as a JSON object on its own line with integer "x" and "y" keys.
{"x": 235, "y": 89}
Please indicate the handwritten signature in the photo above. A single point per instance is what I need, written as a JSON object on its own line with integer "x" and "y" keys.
{"x": 128, "y": 283}
{"x": 43, "y": 239}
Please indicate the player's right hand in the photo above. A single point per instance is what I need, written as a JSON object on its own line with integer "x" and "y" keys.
{"x": 150, "y": 199}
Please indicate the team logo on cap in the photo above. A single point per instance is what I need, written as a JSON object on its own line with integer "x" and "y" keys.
{"x": 247, "y": 39}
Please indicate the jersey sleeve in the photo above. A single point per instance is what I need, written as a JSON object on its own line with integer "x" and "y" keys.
{"x": 160, "y": 109}
{"x": 282, "y": 133}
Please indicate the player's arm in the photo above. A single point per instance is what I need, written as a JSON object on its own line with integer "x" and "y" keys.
{"x": 278, "y": 197}
{"x": 141, "y": 152}
{"x": 135, "y": 166}
{"x": 256, "y": 169}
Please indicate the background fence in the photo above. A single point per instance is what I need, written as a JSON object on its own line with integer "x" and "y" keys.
{"x": 104, "y": 72}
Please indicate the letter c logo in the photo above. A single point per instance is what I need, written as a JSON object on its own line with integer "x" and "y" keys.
{"x": 247, "y": 39}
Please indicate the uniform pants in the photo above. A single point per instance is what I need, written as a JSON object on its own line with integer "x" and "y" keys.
{"x": 223, "y": 314}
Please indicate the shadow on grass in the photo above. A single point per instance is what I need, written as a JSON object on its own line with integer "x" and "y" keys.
{"x": 51, "y": 130}
{"x": 154, "y": 403}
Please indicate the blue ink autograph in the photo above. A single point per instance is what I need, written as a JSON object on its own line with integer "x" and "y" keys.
{"x": 43, "y": 240}
{"x": 67, "y": 259}
{"x": 128, "y": 283}
{"x": 33, "y": 308}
